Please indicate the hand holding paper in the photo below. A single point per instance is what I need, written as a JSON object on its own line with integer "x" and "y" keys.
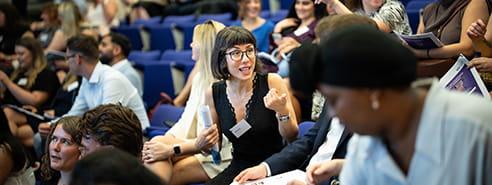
{"x": 207, "y": 139}
{"x": 253, "y": 173}
{"x": 206, "y": 116}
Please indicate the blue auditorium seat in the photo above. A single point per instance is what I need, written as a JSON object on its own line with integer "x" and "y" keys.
{"x": 413, "y": 8}
{"x": 304, "y": 127}
{"x": 138, "y": 58}
{"x": 279, "y": 15}
{"x": 159, "y": 118}
{"x": 161, "y": 37}
{"x": 133, "y": 34}
{"x": 157, "y": 78}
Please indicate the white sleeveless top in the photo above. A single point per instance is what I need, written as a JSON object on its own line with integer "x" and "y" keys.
{"x": 95, "y": 17}
{"x": 24, "y": 177}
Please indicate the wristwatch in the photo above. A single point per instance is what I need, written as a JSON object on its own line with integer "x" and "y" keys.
{"x": 282, "y": 118}
{"x": 177, "y": 149}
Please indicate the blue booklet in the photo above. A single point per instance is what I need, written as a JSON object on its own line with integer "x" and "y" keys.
{"x": 461, "y": 78}
{"x": 421, "y": 41}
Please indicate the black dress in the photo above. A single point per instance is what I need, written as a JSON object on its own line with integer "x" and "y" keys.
{"x": 259, "y": 142}
{"x": 46, "y": 81}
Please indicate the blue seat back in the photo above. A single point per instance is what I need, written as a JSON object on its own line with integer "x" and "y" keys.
{"x": 161, "y": 37}
{"x": 166, "y": 113}
{"x": 304, "y": 127}
{"x": 279, "y": 15}
{"x": 139, "y": 58}
{"x": 147, "y": 22}
{"x": 133, "y": 34}
{"x": 413, "y": 10}
{"x": 157, "y": 78}
{"x": 286, "y": 4}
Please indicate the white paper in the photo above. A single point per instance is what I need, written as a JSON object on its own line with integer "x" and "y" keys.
{"x": 460, "y": 78}
{"x": 206, "y": 116}
{"x": 279, "y": 179}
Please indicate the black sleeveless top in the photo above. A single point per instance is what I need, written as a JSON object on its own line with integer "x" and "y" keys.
{"x": 263, "y": 139}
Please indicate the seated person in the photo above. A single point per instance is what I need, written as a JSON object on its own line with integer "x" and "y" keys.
{"x": 297, "y": 27}
{"x": 327, "y": 140}
{"x": 449, "y": 21}
{"x": 113, "y": 50}
{"x": 481, "y": 38}
{"x": 11, "y": 29}
{"x": 61, "y": 152}
{"x": 15, "y": 169}
{"x": 101, "y": 84}
{"x": 102, "y": 13}
{"x": 396, "y": 119}
{"x": 112, "y": 166}
{"x": 45, "y": 29}
{"x": 244, "y": 99}
{"x": 32, "y": 83}
{"x": 249, "y": 11}
{"x": 390, "y": 15}
{"x": 111, "y": 125}
{"x": 71, "y": 24}
{"x": 188, "y": 134}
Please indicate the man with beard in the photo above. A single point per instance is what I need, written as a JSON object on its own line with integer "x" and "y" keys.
{"x": 113, "y": 50}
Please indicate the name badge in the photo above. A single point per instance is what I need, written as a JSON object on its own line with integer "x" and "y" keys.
{"x": 240, "y": 128}
{"x": 301, "y": 31}
{"x": 22, "y": 81}
{"x": 73, "y": 86}
{"x": 43, "y": 37}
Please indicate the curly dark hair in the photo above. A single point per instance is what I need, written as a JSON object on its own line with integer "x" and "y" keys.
{"x": 116, "y": 125}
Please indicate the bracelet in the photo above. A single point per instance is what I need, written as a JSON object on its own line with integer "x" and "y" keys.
{"x": 428, "y": 56}
{"x": 282, "y": 118}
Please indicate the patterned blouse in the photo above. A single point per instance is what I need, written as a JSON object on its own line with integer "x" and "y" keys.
{"x": 392, "y": 13}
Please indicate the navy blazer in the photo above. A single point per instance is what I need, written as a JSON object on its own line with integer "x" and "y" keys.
{"x": 298, "y": 154}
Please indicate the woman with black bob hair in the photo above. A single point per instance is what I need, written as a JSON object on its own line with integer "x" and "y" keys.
{"x": 245, "y": 99}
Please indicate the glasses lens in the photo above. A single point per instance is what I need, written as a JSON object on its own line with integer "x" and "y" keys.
{"x": 236, "y": 55}
{"x": 250, "y": 52}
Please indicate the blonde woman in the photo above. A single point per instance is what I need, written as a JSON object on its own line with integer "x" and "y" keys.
{"x": 188, "y": 133}
{"x": 32, "y": 83}
{"x": 71, "y": 22}
{"x": 102, "y": 13}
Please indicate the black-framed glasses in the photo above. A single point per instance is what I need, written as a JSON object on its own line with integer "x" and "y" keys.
{"x": 238, "y": 54}
{"x": 70, "y": 56}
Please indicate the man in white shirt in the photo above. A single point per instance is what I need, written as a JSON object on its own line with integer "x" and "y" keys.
{"x": 101, "y": 84}
{"x": 113, "y": 50}
{"x": 326, "y": 141}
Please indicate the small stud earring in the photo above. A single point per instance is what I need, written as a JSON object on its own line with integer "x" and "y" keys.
{"x": 375, "y": 105}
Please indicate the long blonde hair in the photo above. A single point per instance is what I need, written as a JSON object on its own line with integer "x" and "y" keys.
{"x": 71, "y": 19}
{"x": 204, "y": 35}
{"x": 69, "y": 79}
{"x": 38, "y": 61}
